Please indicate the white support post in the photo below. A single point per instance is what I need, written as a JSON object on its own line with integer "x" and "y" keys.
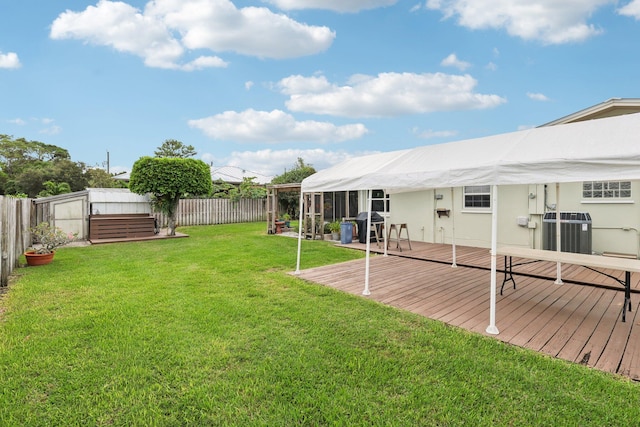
{"x": 384, "y": 230}
{"x": 492, "y": 329}
{"x": 558, "y": 236}
{"x": 453, "y": 231}
{"x": 367, "y": 256}
{"x": 300, "y": 224}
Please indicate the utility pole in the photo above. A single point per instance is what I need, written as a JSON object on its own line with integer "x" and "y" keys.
{"x": 108, "y": 161}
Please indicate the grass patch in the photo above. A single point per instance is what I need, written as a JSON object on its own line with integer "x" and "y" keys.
{"x": 211, "y": 330}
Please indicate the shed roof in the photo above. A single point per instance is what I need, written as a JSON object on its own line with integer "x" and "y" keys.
{"x": 116, "y": 195}
{"x": 111, "y": 195}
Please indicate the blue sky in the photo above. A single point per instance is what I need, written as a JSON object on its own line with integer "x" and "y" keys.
{"x": 257, "y": 84}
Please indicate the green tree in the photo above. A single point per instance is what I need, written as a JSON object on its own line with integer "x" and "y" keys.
{"x": 27, "y": 165}
{"x": 99, "y": 178}
{"x": 296, "y": 174}
{"x": 31, "y": 179}
{"x": 74, "y": 173}
{"x": 168, "y": 179}
{"x": 175, "y": 148}
{"x": 54, "y": 188}
{"x": 248, "y": 190}
{"x": 289, "y": 201}
{"x": 221, "y": 189}
{"x": 15, "y": 154}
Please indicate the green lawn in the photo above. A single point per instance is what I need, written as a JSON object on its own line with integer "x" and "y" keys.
{"x": 212, "y": 330}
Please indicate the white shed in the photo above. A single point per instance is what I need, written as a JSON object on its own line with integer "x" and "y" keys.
{"x": 71, "y": 211}
{"x": 103, "y": 201}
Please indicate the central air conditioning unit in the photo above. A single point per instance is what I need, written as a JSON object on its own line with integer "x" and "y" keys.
{"x": 575, "y": 232}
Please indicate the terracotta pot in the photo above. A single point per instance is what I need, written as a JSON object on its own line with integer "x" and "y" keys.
{"x": 34, "y": 258}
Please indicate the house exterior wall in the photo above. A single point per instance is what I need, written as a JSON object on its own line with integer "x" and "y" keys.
{"x": 615, "y": 223}
{"x": 419, "y": 210}
{"x": 416, "y": 210}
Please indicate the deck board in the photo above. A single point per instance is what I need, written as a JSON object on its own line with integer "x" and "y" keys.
{"x": 568, "y": 321}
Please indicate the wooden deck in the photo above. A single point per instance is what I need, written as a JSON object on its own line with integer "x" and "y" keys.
{"x": 579, "y": 321}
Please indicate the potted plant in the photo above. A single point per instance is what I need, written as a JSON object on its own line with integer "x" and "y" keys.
{"x": 326, "y": 231}
{"x": 49, "y": 237}
{"x": 287, "y": 220}
{"x": 334, "y": 227}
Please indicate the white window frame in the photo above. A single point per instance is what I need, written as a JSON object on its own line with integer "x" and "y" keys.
{"x": 476, "y": 190}
{"x": 606, "y": 191}
{"x": 385, "y": 200}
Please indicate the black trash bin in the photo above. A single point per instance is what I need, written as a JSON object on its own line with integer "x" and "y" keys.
{"x": 361, "y": 222}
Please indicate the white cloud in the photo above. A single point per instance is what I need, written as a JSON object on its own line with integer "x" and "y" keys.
{"x": 453, "y": 61}
{"x": 537, "y": 96}
{"x": 550, "y": 21}
{"x": 385, "y": 95}
{"x": 168, "y": 30}
{"x": 123, "y": 28}
{"x": 203, "y": 62}
{"x": 219, "y": 26}
{"x": 51, "y": 130}
{"x": 631, "y": 9}
{"x": 491, "y": 66}
{"x": 275, "y": 162}
{"x": 335, "y": 5}
{"x": 9, "y": 60}
{"x": 273, "y": 126}
{"x": 248, "y": 85}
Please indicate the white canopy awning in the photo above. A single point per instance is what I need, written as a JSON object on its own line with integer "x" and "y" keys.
{"x": 353, "y": 174}
{"x": 602, "y": 149}
{"x": 593, "y": 150}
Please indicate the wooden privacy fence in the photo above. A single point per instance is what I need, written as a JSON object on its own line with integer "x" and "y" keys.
{"x": 216, "y": 211}
{"x": 15, "y": 222}
{"x": 17, "y": 216}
